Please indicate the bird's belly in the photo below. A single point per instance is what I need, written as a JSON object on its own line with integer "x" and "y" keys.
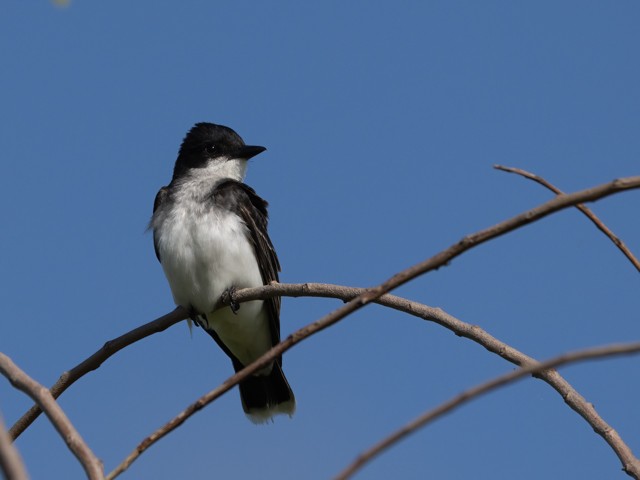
{"x": 202, "y": 258}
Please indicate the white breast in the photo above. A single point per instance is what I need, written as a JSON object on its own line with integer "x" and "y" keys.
{"x": 203, "y": 253}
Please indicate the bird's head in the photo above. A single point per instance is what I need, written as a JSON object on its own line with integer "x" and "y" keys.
{"x": 216, "y": 150}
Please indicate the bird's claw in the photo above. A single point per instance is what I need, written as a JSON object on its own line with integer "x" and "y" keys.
{"x": 194, "y": 317}
{"x": 228, "y": 296}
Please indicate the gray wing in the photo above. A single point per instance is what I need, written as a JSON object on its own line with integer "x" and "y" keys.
{"x": 244, "y": 201}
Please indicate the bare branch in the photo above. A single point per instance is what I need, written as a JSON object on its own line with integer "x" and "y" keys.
{"x": 570, "y": 395}
{"x": 11, "y": 464}
{"x": 631, "y": 466}
{"x": 590, "y": 215}
{"x": 41, "y": 395}
{"x": 94, "y": 361}
{"x": 460, "y": 328}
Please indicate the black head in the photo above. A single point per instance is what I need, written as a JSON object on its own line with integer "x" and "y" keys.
{"x": 207, "y": 141}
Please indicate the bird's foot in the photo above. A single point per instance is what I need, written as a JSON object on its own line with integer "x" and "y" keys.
{"x": 228, "y": 296}
{"x": 194, "y": 316}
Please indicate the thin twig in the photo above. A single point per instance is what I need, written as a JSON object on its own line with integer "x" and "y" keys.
{"x": 41, "y": 395}
{"x": 11, "y": 464}
{"x": 370, "y": 295}
{"x": 94, "y": 361}
{"x": 477, "y": 391}
{"x": 590, "y": 215}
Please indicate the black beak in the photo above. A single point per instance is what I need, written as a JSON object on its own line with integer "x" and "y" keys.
{"x": 249, "y": 151}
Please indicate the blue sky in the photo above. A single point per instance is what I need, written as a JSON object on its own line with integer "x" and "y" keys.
{"x": 382, "y": 122}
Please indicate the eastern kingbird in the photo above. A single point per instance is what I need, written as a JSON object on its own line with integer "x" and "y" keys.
{"x": 210, "y": 235}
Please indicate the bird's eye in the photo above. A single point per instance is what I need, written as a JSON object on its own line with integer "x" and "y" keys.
{"x": 211, "y": 149}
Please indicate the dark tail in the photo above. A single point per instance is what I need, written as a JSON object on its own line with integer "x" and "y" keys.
{"x": 264, "y": 396}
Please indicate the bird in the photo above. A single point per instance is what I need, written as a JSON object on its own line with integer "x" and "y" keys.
{"x": 210, "y": 236}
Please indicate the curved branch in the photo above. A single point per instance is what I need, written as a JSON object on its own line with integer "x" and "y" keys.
{"x": 590, "y": 215}
{"x": 631, "y": 467}
{"x": 110, "y": 347}
{"x": 41, "y": 395}
{"x": 460, "y": 328}
{"x": 11, "y": 464}
{"x": 573, "y": 399}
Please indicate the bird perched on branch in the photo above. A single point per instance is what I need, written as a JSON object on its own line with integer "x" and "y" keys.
{"x": 210, "y": 235}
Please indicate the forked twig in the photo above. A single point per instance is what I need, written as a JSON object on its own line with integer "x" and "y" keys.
{"x": 590, "y": 215}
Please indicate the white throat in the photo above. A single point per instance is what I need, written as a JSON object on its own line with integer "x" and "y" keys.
{"x": 219, "y": 169}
